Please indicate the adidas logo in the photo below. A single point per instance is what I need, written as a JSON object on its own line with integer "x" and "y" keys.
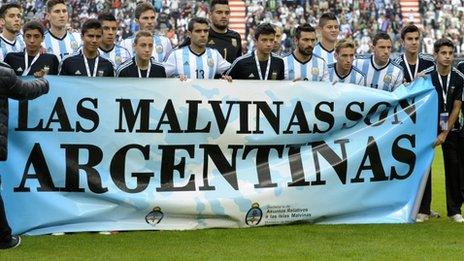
{"x": 251, "y": 75}
{"x": 78, "y": 72}
{"x": 186, "y": 63}
{"x": 19, "y": 69}
{"x": 211, "y": 42}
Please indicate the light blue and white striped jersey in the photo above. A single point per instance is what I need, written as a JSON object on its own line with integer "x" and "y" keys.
{"x": 117, "y": 54}
{"x": 183, "y": 61}
{"x": 386, "y": 78}
{"x": 162, "y": 47}
{"x": 61, "y": 47}
{"x": 8, "y": 47}
{"x": 320, "y": 51}
{"x": 355, "y": 76}
{"x": 315, "y": 69}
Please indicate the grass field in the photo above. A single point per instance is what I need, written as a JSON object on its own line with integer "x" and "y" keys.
{"x": 435, "y": 239}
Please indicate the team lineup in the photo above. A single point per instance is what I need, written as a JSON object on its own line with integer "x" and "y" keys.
{"x": 213, "y": 51}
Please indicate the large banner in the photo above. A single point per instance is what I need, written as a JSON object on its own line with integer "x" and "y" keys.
{"x": 101, "y": 154}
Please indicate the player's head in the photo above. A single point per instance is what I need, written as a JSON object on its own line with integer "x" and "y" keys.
{"x": 33, "y": 33}
{"x": 110, "y": 28}
{"x": 443, "y": 52}
{"x": 91, "y": 33}
{"x": 329, "y": 27}
{"x": 344, "y": 53}
{"x": 264, "y": 38}
{"x": 382, "y": 47}
{"x": 198, "y": 31}
{"x": 219, "y": 14}
{"x": 143, "y": 45}
{"x": 278, "y": 38}
{"x": 410, "y": 38}
{"x": 57, "y": 13}
{"x": 145, "y": 16}
{"x": 305, "y": 39}
{"x": 11, "y": 17}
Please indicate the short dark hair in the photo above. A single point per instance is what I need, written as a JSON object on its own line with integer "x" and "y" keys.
{"x": 217, "y": 2}
{"x": 90, "y": 24}
{"x": 304, "y": 28}
{"x": 442, "y": 42}
{"x": 52, "y": 3}
{"x": 5, "y": 8}
{"x": 380, "y": 36}
{"x": 410, "y": 28}
{"x": 106, "y": 17}
{"x": 142, "y": 34}
{"x": 325, "y": 17}
{"x": 196, "y": 20}
{"x": 265, "y": 29}
{"x": 34, "y": 25}
{"x": 143, "y": 7}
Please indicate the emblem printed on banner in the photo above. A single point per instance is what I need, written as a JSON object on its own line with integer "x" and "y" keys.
{"x": 387, "y": 79}
{"x": 315, "y": 71}
{"x": 159, "y": 48}
{"x": 234, "y": 42}
{"x": 254, "y": 215}
{"x": 210, "y": 62}
{"x": 155, "y": 216}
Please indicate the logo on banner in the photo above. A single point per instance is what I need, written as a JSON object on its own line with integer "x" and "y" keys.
{"x": 154, "y": 217}
{"x": 254, "y": 215}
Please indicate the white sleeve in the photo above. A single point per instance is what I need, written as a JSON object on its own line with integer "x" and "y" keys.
{"x": 167, "y": 47}
{"x": 222, "y": 64}
{"x": 170, "y": 65}
{"x": 399, "y": 80}
{"x": 127, "y": 43}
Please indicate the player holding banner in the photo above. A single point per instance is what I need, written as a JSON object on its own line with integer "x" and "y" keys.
{"x": 142, "y": 65}
{"x": 196, "y": 61}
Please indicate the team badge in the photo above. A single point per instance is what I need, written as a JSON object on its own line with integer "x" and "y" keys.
{"x": 274, "y": 75}
{"x": 234, "y": 42}
{"x": 74, "y": 45}
{"x": 387, "y": 79}
{"x": 314, "y": 71}
{"x": 254, "y": 215}
{"x": 49, "y": 50}
{"x": 159, "y": 48}
{"x": 100, "y": 73}
{"x": 155, "y": 216}
{"x": 210, "y": 62}
{"x": 117, "y": 60}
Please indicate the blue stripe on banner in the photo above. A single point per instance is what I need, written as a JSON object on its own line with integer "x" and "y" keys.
{"x": 291, "y": 67}
{"x": 158, "y": 43}
{"x": 199, "y": 71}
{"x": 211, "y": 69}
{"x": 186, "y": 61}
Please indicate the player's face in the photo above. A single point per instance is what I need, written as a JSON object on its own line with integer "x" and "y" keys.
{"x": 219, "y": 16}
{"x": 445, "y": 56}
{"x": 13, "y": 20}
{"x": 306, "y": 43}
{"x": 199, "y": 34}
{"x": 144, "y": 47}
{"x": 58, "y": 16}
{"x": 330, "y": 30}
{"x": 345, "y": 57}
{"x": 33, "y": 39}
{"x": 92, "y": 39}
{"x": 278, "y": 40}
{"x": 265, "y": 43}
{"x": 147, "y": 21}
{"x": 411, "y": 42}
{"x": 382, "y": 50}
{"x": 110, "y": 29}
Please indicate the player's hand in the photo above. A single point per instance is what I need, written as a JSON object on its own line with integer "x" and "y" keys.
{"x": 297, "y": 79}
{"x": 41, "y": 73}
{"x": 334, "y": 82}
{"x": 227, "y": 78}
{"x": 441, "y": 138}
{"x": 182, "y": 78}
{"x": 420, "y": 75}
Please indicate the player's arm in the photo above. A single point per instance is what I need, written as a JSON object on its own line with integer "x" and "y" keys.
{"x": 398, "y": 81}
{"x": 170, "y": 65}
{"x": 222, "y": 64}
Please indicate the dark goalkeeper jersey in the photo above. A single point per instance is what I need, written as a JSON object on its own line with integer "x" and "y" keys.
{"x": 129, "y": 69}
{"x": 74, "y": 65}
{"x": 18, "y": 63}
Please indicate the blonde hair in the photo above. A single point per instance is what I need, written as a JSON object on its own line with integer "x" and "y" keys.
{"x": 344, "y": 43}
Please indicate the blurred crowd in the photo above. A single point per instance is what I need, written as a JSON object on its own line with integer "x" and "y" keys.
{"x": 359, "y": 19}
